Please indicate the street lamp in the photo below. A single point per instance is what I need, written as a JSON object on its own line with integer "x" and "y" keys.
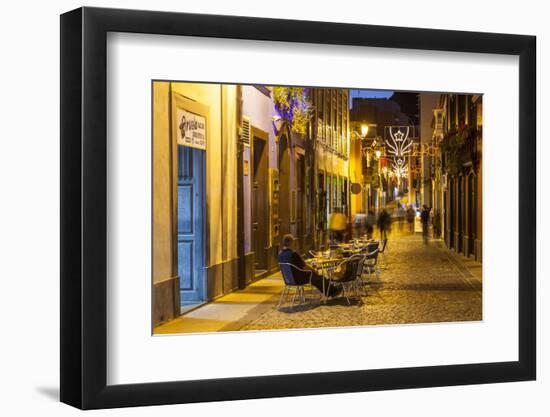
{"x": 370, "y": 149}
{"x": 364, "y": 130}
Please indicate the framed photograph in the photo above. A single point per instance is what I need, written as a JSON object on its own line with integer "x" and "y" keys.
{"x": 257, "y": 208}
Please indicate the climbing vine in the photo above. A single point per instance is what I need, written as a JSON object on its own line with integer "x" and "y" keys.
{"x": 294, "y": 105}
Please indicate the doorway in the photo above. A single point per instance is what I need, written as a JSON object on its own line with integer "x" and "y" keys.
{"x": 345, "y": 202}
{"x": 191, "y": 225}
{"x": 260, "y": 208}
{"x": 328, "y": 199}
{"x": 452, "y": 214}
{"x": 300, "y": 194}
{"x": 460, "y": 214}
{"x": 471, "y": 214}
{"x": 321, "y": 215}
{"x": 284, "y": 186}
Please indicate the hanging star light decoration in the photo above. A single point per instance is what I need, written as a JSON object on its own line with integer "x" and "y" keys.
{"x": 399, "y": 167}
{"x": 399, "y": 144}
{"x": 399, "y": 147}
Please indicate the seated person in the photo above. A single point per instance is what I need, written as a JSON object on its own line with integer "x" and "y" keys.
{"x": 287, "y": 255}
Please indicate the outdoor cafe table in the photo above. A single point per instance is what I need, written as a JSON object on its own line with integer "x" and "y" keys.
{"x": 323, "y": 263}
{"x": 355, "y": 245}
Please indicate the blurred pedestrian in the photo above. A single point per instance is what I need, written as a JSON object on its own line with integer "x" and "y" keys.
{"x": 437, "y": 224}
{"x": 337, "y": 224}
{"x": 359, "y": 224}
{"x": 425, "y": 219}
{"x": 400, "y": 216}
{"x": 410, "y": 218}
{"x": 370, "y": 222}
{"x": 384, "y": 224}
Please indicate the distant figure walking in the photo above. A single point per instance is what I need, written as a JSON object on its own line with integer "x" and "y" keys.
{"x": 370, "y": 222}
{"x": 437, "y": 224}
{"x": 400, "y": 216}
{"x": 359, "y": 224}
{"x": 425, "y": 219}
{"x": 384, "y": 223}
{"x": 337, "y": 224}
{"x": 410, "y": 218}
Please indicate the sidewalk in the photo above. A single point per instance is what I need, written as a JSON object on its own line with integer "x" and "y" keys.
{"x": 230, "y": 312}
{"x": 419, "y": 284}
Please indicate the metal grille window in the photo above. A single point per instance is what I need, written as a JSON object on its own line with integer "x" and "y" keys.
{"x": 245, "y": 136}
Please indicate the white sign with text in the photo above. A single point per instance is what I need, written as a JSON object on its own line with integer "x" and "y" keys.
{"x": 191, "y": 129}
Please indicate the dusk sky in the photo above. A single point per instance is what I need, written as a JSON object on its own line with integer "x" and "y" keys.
{"x": 368, "y": 94}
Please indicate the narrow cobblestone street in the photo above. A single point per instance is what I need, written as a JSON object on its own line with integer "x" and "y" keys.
{"x": 419, "y": 283}
{"x": 301, "y": 177}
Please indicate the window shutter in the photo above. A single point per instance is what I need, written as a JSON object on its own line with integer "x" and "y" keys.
{"x": 245, "y": 137}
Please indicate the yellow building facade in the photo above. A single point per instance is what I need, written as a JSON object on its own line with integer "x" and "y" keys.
{"x": 331, "y": 136}
{"x": 202, "y": 176}
{"x": 231, "y": 176}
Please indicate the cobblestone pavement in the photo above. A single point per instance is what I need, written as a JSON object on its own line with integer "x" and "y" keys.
{"x": 419, "y": 283}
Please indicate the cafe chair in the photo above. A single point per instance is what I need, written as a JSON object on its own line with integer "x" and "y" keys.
{"x": 372, "y": 246}
{"x": 359, "y": 284}
{"x": 382, "y": 251}
{"x": 287, "y": 271}
{"x": 348, "y": 280}
{"x": 370, "y": 264}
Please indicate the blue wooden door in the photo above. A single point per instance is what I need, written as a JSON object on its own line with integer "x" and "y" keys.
{"x": 191, "y": 216}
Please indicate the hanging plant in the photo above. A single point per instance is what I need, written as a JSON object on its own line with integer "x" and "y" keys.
{"x": 293, "y": 104}
{"x": 451, "y": 147}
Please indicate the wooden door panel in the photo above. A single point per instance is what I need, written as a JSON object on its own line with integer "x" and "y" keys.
{"x": 185, "y": 209}
{"x": 185, "y": 267}
{"x": 190, "y": 226}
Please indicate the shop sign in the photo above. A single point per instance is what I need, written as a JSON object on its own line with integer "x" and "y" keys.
{"x": 191, "y": 129}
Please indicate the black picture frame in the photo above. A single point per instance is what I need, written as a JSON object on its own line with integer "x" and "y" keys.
{"x": 84, "y": 207}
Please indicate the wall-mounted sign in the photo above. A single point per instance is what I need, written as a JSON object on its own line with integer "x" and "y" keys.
{"x": 355, "y": 188}
{"x": 245, "y": 167}
{"x": 191, "y": 129}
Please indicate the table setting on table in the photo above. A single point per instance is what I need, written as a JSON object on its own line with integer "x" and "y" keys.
{"x": 326, "y": 262}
